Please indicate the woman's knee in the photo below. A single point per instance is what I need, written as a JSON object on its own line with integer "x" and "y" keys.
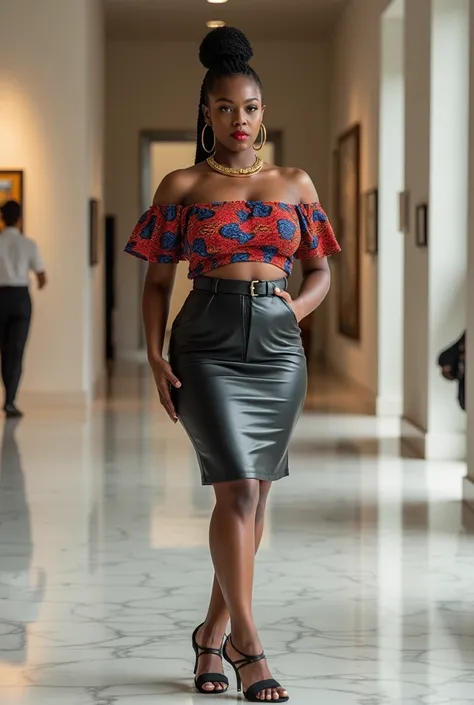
{"x": 240, "y": 497}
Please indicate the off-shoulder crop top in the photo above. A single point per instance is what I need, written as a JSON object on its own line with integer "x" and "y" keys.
{"x": 211, "y": 235}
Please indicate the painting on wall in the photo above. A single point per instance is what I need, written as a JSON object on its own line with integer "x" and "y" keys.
{"x": 349, "y": 232}
{"x": 335, "y": 198}
{"x": 371, "y": 221}
{"x": 404, "y": 212}
{"x": 93, "y": 232}
{"x": 422, "y": 225}
{"x": 11, "y": 188}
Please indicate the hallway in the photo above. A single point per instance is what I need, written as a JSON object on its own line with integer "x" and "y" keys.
{"x": 364, "y": 583}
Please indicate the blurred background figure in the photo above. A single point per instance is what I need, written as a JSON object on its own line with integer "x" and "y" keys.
{"x": 453, "y": 366}
{"x": 18, "y": 257}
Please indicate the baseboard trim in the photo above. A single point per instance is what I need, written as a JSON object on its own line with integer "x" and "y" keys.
{"x": 468, "y": 492}
{"x": 388, "y": 406}
{"x": 433, "y": 446}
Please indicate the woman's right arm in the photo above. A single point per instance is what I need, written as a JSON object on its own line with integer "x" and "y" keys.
{"x": 156, "y": 299}
{"x": 155, "y": 308}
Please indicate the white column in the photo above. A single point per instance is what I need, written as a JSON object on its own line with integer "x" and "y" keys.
{"x": 391, "y": 242}
{"x": 436, "y": 62}
{"x": 469, "y": 480}
{"x": 51, "y": 127}
{"x": 448, "y": 217}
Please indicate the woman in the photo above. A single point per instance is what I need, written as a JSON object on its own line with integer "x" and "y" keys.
{"x": 236, "y": 376}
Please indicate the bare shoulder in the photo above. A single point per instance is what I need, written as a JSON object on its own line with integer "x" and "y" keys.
{"x": 302, "y": 183}
{"x": 175, "y": 186}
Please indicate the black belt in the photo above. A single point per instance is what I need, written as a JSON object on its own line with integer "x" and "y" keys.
{"x": 244, "y": 288}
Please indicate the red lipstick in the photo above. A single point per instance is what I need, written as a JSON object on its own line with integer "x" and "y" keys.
{"x": 240, "y": 136}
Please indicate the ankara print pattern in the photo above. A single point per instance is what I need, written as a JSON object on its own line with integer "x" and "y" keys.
{"x": 211, "y": 235}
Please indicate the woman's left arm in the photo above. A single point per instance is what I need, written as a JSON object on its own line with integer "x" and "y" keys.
{"x": 316, "y": 273}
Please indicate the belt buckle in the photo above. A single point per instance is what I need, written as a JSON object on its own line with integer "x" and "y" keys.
{"x": 252, "y": 287}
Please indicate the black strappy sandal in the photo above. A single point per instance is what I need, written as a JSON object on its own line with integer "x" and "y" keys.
{"x": 207, "y": 677}
{"x": 251, "y": 693}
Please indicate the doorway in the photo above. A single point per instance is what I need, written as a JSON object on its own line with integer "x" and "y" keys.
{"x": 163, "y": 151}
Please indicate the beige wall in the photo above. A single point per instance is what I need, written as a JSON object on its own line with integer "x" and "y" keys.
{"x": 355, "y": 82}
{"x": 156, "y": 86}
{"x": 50, "y": 128}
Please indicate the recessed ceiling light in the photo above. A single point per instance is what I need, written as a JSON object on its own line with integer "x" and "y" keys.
{"x": 212, "y": 24}
{"x": 217, "y": 2}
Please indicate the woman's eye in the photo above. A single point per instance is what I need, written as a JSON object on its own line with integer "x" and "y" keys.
{"x": 252, "y": 108}
{"x": 225, "y": 109}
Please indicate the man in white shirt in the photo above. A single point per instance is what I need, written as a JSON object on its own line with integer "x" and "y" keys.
{"x": 18, "y": 257}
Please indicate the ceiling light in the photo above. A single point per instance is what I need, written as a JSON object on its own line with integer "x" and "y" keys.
{"x": 212, "y": 24}
{"x": 216, "y": 2}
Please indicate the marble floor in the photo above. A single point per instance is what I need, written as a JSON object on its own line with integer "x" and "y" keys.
{"x": 365, "y": 580}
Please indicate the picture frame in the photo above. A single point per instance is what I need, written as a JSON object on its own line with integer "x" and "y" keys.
{"x": 335, "y": 196}
{"x": 11, "y": 188}
{"x": 93, "y": 232}
{"x": 349, "y": 220}
{"x": 404, "y": 212}
{"x": 422, "y": 225}
{"x": 371, "y": 221}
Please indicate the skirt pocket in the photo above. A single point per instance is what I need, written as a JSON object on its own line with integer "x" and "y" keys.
{"x": 195, "y": 307}
{"x": 290, "y": 310}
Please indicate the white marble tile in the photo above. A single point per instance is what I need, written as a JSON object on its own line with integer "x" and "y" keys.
{"x": 364, "y": 583}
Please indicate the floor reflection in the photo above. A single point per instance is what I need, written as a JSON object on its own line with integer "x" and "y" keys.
{"x": 22, "y": 584}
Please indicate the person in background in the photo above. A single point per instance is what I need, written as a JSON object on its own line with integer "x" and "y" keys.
{"x": 18, "y": 256}
{"x": 453, "y": 366}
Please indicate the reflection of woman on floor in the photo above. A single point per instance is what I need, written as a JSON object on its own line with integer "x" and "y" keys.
{"x": 16, "y": 568}
{"x": 237, "y": 370}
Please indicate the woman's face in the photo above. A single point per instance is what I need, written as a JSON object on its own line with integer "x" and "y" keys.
{"x": 235, "y": 112}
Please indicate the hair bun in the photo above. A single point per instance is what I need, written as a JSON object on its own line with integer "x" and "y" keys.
{"x": 224, "y": 45}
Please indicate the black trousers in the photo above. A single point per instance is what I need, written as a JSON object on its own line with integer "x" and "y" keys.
{"x": 15, "y": 317}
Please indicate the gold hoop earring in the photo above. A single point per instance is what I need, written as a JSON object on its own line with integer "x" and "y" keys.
{"x": 263, "y": 130}
{"x": 212, "y": 150}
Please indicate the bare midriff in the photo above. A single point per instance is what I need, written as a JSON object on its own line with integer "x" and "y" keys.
{"x": 248, "y": 271}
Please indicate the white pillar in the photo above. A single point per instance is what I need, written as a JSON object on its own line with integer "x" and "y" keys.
{"x": 436, "y": 62}
{"x": 469, "y": 480}
{"x": 448, "y": 217}
{"x": 391, "y": 242}
{"x": 51, "y": 94}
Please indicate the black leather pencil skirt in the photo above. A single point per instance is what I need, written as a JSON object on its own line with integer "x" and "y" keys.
{"x": 236, "y": 348}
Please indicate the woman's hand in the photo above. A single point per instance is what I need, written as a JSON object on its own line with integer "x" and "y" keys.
{"x": 164, "y": 377}
{"x": 292, "y": 304}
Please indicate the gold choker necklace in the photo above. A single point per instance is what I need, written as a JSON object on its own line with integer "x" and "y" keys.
{"x": 230, "y": 171}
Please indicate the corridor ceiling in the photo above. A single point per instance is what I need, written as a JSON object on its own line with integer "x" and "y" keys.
{"x": 185, "y": 20}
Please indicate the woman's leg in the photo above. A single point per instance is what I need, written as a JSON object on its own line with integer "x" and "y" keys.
{"x": 232, "y": 539}
{"x": 217, "y": 618}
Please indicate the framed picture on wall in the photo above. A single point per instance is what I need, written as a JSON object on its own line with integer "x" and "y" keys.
{"x": 11, "y": 188}
{"x": 335, "y": 198}
{"x": 371, "y": 221}
{"x": 422, "y": 225}
{"x": 404, "y": 212}
{"x": 93, "y": 232}
{"x": 349, "y": 232}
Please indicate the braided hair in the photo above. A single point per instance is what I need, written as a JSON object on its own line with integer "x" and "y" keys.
{"x": 225, "y": 51}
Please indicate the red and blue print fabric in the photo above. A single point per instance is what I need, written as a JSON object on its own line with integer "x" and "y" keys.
{"x": 211, "y": 235}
